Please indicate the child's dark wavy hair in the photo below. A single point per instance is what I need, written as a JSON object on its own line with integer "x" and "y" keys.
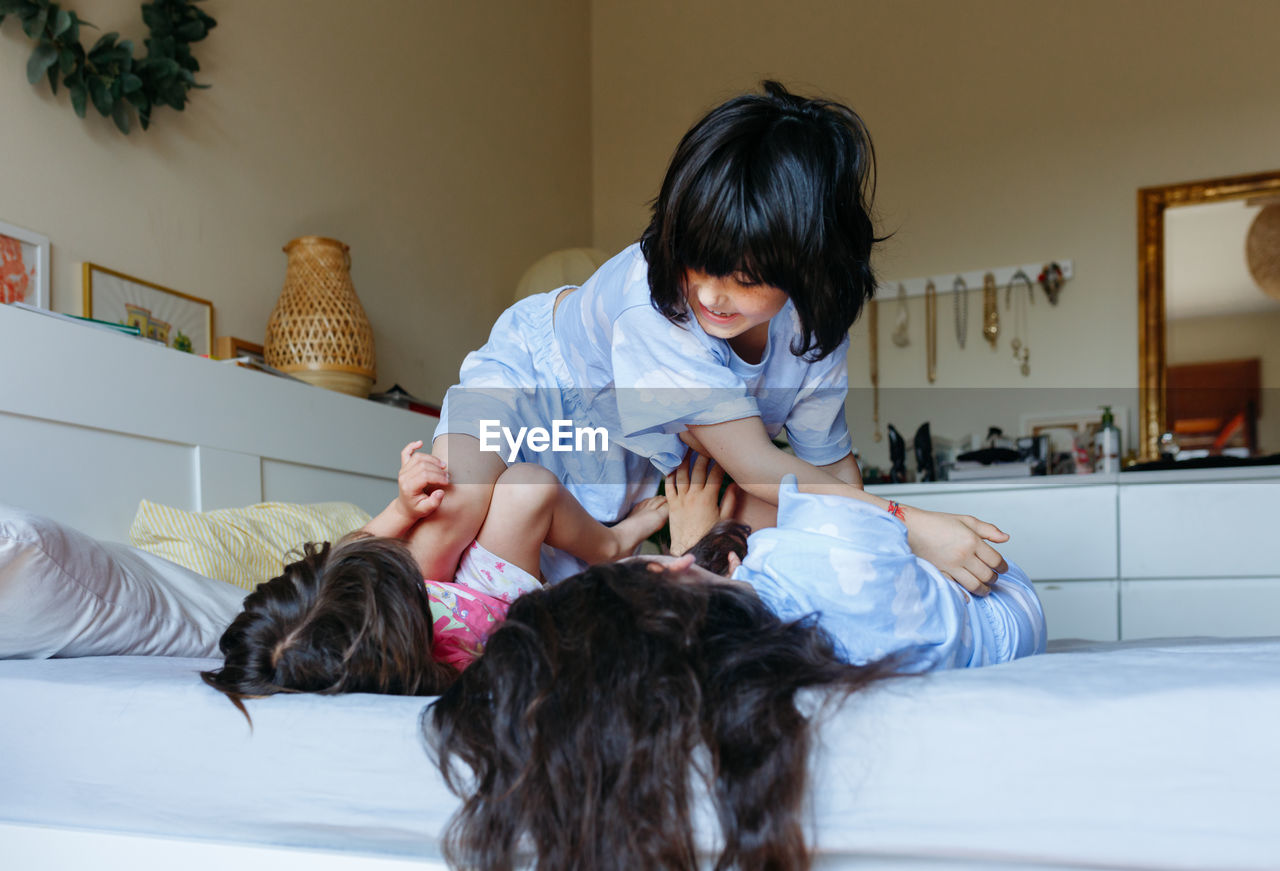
{"x": 350, "y": 618}
{"x": 576, "y": 734}
{"x": 778, "y": 187}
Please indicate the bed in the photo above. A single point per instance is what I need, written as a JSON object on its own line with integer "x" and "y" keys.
{"x": 1155, "y": 754}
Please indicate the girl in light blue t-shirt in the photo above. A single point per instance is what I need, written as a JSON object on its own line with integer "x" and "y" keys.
{"x": 725, "y": 325}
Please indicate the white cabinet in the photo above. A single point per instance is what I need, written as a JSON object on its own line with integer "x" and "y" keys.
{"x": 1139, "y": 554}
{"x": 1054, "y": 534}
{"x": 1238, "y": 607}
{"x": 1204, "y": 529}
{"x": 1081, "y": 609}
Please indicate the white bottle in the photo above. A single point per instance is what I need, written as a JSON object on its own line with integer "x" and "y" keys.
{"x": 1106, "y": 444}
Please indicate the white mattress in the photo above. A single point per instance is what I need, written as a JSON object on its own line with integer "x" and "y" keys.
{"x": 1148, "y": 755}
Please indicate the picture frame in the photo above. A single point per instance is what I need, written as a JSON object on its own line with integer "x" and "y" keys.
{"x": 229, "y": 348}
{"x": 24, "y": 266}
{"x": 1066, "y": 428}
{"x": 176, "y": 319}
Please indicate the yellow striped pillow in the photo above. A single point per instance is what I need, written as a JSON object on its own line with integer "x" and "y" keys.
{"x": 243, "y": 546}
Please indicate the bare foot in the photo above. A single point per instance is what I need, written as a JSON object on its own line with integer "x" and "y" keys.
{"x": 646, "y": 518}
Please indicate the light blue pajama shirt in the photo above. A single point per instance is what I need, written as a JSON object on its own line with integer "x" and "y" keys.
{"x": 612, "y": 360}
{"x": 849, "y": 563}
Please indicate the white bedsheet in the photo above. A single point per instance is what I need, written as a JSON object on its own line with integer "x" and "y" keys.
{"x": 1149, "y": 755}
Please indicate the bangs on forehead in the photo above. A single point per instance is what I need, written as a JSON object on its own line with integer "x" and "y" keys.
{"x": 735, "y": 220}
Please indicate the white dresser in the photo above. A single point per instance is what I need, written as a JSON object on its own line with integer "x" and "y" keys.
{"x": 1136, "y": 554}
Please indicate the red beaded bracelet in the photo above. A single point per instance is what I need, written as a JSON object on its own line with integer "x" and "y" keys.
{"x": 896, "y": 510}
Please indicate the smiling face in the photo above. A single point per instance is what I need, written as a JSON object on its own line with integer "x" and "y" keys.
{"x": 732, "y": 305}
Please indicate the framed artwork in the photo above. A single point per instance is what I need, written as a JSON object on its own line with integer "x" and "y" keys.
{"x": 229, "y": 348}
{"x": 171, "y": 317}
{"x": 24, "y": 266}
{"x": 1068, "y": 428}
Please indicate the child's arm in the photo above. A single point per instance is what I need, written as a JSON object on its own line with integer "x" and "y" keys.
{"x": 845, "y": 470}
{"x": 952, "y": 542}
{"x": 422, "y": 479}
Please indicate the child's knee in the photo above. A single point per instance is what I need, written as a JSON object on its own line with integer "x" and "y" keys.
{"x": 525, "y": 486}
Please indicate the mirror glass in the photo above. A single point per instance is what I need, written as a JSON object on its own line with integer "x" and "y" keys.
{"x": 1222, "y": 334}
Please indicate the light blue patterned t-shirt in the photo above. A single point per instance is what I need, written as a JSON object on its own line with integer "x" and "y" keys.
{"x": 849, "y": 563}
{"x": 647, "y": 379}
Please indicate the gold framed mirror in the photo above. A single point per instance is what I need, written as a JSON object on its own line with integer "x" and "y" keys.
{"x": 1152, "y": 351}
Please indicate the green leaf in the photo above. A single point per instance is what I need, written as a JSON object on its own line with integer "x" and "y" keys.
{"x": 66, "y": 60}
{"x": 100, "y": 95}
{"x": 104, "y": 41}
{"x": 34, "y": 26}
{"x": 9, "y": 7}
{"x": 78, "y": 97}
{"x": 52, "y": 73}
{"x": 120, "y": 115}
{"x": 62, "y": 22}
{"x": 44, "y": 56}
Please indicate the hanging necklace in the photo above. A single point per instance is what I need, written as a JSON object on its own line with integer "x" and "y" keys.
{"x": 960, "y": 298}
{"x": 931, "y": 331}
{"x": 900, "y": 336}
{"x": 1020, "y": 309}
{"x": 873, "y": 340}
{"x": 990, "y": 310}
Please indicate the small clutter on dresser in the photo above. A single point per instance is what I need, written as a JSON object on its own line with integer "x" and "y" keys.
{"x": 401, "y": 398}
{"x": 1079, "y": 444}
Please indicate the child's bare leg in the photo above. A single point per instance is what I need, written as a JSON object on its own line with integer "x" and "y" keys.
{"x": 531, "y": 506}
{"x": 437, "y": 541}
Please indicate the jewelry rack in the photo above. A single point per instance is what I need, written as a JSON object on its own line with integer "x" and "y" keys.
{"x": 888, "y": 290}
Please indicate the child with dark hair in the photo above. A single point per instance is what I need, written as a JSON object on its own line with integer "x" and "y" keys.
{"x": 350, "y": 618}
{"x": 726, "y": 323}
{"x": 578, "y": 734}
{"x": 575, "y": 740}
{"x": 848, "y": 566}
{"x": 359, "y": 616}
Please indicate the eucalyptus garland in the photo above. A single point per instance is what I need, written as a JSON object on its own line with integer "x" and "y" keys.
{"x": 108, "y": 75}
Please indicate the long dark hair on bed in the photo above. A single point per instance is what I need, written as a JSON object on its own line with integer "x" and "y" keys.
{"x": 576, "y": 734}
{"x": 350, "y": 618}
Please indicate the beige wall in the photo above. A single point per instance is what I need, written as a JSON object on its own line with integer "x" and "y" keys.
{"x": 445, "y": 142}
{"x": 452, "y": 144}
{"x": 1007, "y": 132}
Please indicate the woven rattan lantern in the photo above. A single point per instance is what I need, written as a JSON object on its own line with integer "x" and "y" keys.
{"x": 318, "y": 331}
{"x": 1262, "y": 249}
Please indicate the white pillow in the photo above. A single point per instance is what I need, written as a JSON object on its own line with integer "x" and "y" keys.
{"x": 63, "y": 593}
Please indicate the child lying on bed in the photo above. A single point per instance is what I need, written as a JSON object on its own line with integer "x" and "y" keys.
{"x": 359, "y": 617}
{"x": 575, "y": 735}
{"x": 850, "y": 564}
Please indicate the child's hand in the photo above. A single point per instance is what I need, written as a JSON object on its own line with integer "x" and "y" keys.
{"x": 954, "y": 543}
{"x": 693, "y": 499}
{"x": 422, "y": 480}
